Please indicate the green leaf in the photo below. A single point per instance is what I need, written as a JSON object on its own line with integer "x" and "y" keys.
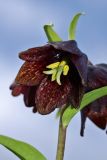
{"x": 87, "y": 99}
{"x": 21, "y": 149}
{"x": 21, "y": 158}
{"x": 51, "y": 34}
{"x": 73, "y": 25}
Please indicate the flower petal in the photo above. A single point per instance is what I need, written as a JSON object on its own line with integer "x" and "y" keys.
{"x": 31, "y": 73}
{"x": 77, "y": 93}
{"x": 37, "y": 53}
{"x": 96, "y": 112}
{"x": 83, "y": 121}
{"x": 78, "y": 58}
{"x": 50, "y": 95}
{"x": 29, "y": 96}
{"x": 16, "y": 89}
{"x": 80, "y": 63}
{"x": 67, "y": 46}
{"x": 100, "y": 121}
{"x": 77, "y": 88}
{"x": 97, "y": 76}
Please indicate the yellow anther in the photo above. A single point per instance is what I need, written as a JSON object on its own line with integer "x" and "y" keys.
{"x": 65, "y": 70}
{"x": 62, "y": 63}
{"x": 53, "y": 65}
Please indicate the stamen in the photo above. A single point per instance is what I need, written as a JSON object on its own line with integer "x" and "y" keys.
{"x": 65, "y": 70}
{"x": 58, "y": 76}
{"x": 62, "y": 63}
{"x": 53, "y": 65}
{"x": 49, "y": 72}
{"x": 59, "y": 72}
{"x": 56, "y": 69}
{"x": 54, "y": 75}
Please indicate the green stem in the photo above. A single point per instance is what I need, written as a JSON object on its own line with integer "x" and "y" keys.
{"x": 61, "y": 140}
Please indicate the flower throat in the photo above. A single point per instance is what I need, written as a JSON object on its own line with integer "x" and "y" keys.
{"x": 56, "y": 70}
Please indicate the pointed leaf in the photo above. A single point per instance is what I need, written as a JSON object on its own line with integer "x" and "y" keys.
{"x": 51, "y": 34}
{"x": 73, "y": 25}
{"x": 21, "y": 158}
{"x": 87, "y": 99}
{"x": 21, "y": 149}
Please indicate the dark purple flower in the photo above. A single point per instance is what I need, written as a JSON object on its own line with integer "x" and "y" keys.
{"x": 96, "y": 111}
{"x": 52, "y": 76}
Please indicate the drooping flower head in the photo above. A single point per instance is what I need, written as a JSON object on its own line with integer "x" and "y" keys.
{"x": 52, "y": 76}
{"x": 96, "y": 111}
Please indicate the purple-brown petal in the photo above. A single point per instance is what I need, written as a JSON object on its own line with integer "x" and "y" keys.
{"x": 77, "y": 88}
{"x": 29, "y": 96}
{"x": 96, "y": 117}
{"x": 38, "y": 53}
{"x": 16, "y": 89}
{"x": 67, "y": 46}
{"x": 50, "y": 95}
{"x": 97, "y": 76}
{"x": 77, "y": 93}
{"x": 80, "y": 63}
{"x": 31, "y": 73}
{"x": 96, "y": 111}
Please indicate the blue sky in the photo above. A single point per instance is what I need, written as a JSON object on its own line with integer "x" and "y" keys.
{"x": 21, "y": 27}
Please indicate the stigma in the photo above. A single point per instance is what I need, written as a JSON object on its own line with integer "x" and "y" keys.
{"x": 56, "y": 70}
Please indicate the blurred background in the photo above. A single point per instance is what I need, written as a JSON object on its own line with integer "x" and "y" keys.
{"x": 21, "y": 27}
